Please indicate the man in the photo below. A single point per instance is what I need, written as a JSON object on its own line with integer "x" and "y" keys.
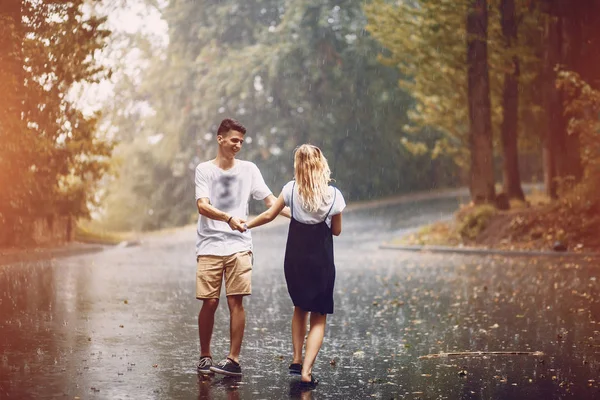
{"x": 224, "y": 246}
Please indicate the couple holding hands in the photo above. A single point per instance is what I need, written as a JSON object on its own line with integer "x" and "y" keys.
{"x": 224, "y": 246}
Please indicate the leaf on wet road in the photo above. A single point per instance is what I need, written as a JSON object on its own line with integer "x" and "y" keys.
{"x": 359, "y": 354}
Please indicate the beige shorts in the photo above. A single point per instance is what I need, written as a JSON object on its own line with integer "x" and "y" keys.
{"x": 237, "y": 269}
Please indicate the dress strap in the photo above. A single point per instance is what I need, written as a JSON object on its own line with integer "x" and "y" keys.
{"x": 292, "y": 201}
{"x": 332, "y": 203}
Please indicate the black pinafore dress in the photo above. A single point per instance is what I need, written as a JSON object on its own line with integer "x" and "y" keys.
{"x": 309, "y": 267}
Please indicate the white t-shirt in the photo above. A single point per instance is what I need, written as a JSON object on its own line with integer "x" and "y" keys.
{"x": 306, "y": 217}
{"x": 228, "y": 191}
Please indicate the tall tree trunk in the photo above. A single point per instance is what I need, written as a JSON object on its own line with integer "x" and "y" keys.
{"x": 510, "y": 104}
{"x": 11, "y": 71}
{"x": 12, "y": 129}
{"x": 549, "y": 168}
{"x": 555, "y": 121}
{"x": 480, "y": 129}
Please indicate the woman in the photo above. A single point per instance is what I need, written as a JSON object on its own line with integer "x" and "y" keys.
{"x": 309, "y": 267}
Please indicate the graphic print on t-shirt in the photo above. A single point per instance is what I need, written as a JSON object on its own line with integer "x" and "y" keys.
{"x": 227, "y": 192}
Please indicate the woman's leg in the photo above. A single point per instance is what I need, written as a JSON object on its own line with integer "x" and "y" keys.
{"x": 313, "y": 343}
{"x": 298, "y": 333}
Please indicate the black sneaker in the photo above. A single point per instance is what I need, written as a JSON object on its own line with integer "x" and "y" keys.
{"x": 295, "y": 369}
{"x": 227, "y": 367}
{"x": 204, "y": 365}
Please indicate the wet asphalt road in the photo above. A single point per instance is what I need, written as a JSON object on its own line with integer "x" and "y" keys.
{"x": 121, "y": 324}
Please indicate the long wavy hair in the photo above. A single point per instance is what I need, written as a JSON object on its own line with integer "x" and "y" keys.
{"x": 312, "y": 175}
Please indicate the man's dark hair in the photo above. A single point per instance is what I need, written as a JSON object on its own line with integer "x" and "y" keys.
{"x": 229, "y": 124}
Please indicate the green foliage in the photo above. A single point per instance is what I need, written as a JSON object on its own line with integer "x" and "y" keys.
{"x": 292, "y": 72}
{"x": 53, "y": 157}
{"x": 582, "y": 107}
{"x": 85, "y": 234}
{"x": 441, "y": 233}
{"x": 472, "y": 220}
{"x": 426, "y": 41}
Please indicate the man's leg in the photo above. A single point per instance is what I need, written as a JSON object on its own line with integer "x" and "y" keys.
{"x": 238, "y": 283}
{"x": 209, "y": 277}
{"x": 313, "y": 343}
{"x": 206, "y": 322}
{"x": 298, "y": 333}
{"x": 237, "y": 324}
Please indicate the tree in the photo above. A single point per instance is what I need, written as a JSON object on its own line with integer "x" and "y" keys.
{"x": 426, "y": 42}
{"x": 52, "y": 157}
{"x": 555, "y": 122}
{"x": 291, "y": 72}
{"x": 14, "y": 149}
{"x": 570, "y": 32}
{"x": 480, "y": 130}
{"x": 510, "y": 104}
{"x": 582, "y": 107}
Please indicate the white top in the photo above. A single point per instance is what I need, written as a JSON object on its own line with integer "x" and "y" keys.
{"x": 228, "y": 191}
{"x": 306, "y": 217}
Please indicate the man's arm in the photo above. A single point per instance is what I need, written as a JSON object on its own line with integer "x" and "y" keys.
{"x": 206, "y": 209}
{"x": 270, "y": 200}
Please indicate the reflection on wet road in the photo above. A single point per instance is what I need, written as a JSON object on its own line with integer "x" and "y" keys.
{"x": 122, "y": 323}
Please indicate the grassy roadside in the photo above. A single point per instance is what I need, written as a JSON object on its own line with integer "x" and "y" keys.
{"x": 86, "y": 232}
{"x": 537, "y": 224}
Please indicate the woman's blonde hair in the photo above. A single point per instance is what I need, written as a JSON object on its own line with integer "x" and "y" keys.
{"x": 312, "y": 175}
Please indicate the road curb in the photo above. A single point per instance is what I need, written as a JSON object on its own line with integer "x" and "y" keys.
{"x": 485, "y": 252}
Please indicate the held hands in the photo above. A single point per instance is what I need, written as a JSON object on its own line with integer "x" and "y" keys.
{"x": 237, "y": 224}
